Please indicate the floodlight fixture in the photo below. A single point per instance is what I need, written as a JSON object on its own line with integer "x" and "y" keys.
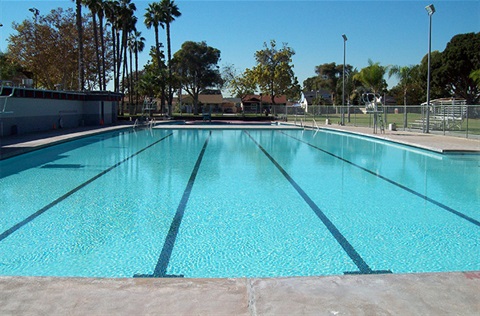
{"x": 344, "y": 37}
{"x": 430, "y": 9}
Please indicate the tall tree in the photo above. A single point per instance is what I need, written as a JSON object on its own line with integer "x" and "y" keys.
{"x": 438, "y": 88}
{"x": 328, "y": 77}
{"x": 81, "y": 65}
{"x": 169, "y": 11}
{"x": 127, "y": 23}
{"x": 240, "y": 85}
{"x": 196, "y": 66}
{"x": 153, "y": 19}
{"x": 372, "y": 77}
{"x": 101, "y": 15}
{"x": 460, "y": 57}
{"x": 406, "y": 76}
{"x": 55, "y": 34}
{"x": 112, "y": 13}
{"x": 94, "y": 6}
{"x": 274, "y": 71}
{"x": 136, "y": 45}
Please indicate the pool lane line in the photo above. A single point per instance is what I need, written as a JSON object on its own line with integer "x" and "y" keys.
{"x": 164, "y": 258}
{"x": 30, "y": 218}
{"x": 344, "y": 243}
{"x": 426, "y": 198}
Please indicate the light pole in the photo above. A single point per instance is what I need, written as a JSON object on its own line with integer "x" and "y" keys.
{"x": 343, "y": 88}
{"x": 431, "y": 10}
{"x": 1, "y": 76}
{"x": 35, "y": 12}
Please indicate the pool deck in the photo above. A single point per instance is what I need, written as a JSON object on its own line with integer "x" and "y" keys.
{"x": 453, "y": 293}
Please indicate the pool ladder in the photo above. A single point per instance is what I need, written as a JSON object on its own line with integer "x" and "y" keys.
{"x": 148, "y": 123}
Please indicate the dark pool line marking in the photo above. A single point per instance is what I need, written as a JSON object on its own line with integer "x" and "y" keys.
{"x": 426, "y": 198}
{"x": 30, "y": 218}
{"x": 344, "y": 243}
{"x": 164, "y": 258}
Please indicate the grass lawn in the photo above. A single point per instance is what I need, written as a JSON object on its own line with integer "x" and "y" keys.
{"x": 367, "y": 120}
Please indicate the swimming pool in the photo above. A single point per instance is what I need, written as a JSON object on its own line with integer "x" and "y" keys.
{"x": 237, "y": 203}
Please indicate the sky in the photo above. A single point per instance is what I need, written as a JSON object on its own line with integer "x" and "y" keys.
{"x": 388, "y": 32}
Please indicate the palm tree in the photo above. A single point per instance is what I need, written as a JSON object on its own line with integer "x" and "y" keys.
{"x": 169, "y": 11}
{"x": 101, "y": 15}
{"x": 111, "y": 9}
{"x": 94, "y": 7}
{"x": 372, "y": 76}
{"x": 81, "y": 66}
{"x": 120, "y": 15}
{"x": 128, "y": 21}
{"x": 136, "y": 44}
{"x": 152, "y": 18}
{"x": 372, "y": 79}
{"x": 405, "y": 75}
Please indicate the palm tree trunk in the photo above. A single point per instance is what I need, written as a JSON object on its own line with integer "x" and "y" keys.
{"x": 97, "y": 52}
{"x": 81, "y": 75}
{"x": 136, "y": 78}
{"x": 157, "y": 47}
{"x": 119, "y": 58}
{"x": 102, "y": 44}
{"x": 169, "y": 54}
{"x": 130, "y": 81}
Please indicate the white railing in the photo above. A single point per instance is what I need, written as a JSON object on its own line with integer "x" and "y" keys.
{"x": 5, "y": 98}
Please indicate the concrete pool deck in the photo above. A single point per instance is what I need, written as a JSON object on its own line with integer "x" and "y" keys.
{"x": 453, "y": 293}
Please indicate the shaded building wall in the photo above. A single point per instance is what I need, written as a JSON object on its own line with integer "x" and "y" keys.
{"x": 30, "y": 112}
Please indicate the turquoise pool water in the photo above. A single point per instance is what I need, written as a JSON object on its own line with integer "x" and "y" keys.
{"x": 237, "y": 203}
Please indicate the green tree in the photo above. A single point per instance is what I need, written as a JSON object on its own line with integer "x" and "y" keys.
{"x": 407, "y": 76}
{"x": 460, "y": 57}
{"x": 371, "y": 77}
{"x": 149, "y": 81}
{"x": 111, "y": 9}
{"x": 274, "y": 71}
{"x": 136, "y": 45}
{"x": 126, "y": 15}
{"x": 196, "y": 67}
{"x": 475, "y": 76}
{"x": 168, "y": 12}
{"x": 153, "y": 19}
{"x": 95, "y": 6}
{"x": 240, "y": 85}
{"x": 9, "y": 69}
{"x": 311, "y": 84}
{"x": 438, "y": 88}
{"x": 328, "y": 76}
{"x": 46, "y": 50}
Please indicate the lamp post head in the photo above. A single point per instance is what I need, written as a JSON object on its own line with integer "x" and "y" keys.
{"x": 35, "y": 11}
{"x": 430, "y": 9}
{"x": 344, "y": 37}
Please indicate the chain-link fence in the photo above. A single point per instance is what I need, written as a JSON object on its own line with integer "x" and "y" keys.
{"x": 453, "y": 120}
